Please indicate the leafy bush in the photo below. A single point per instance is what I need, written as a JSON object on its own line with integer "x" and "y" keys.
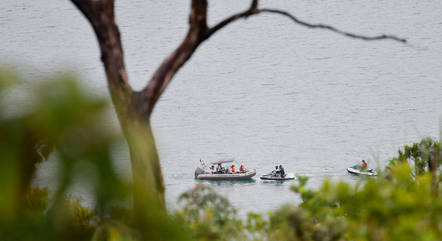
{"x": 402, "y": 203}
{"x": 423, "y": 156}
{"x": 397, "y": 205}
{"x": 66, "y": 122}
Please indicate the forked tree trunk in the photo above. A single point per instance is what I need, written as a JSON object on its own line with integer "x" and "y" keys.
{"x": 133, "y": 108}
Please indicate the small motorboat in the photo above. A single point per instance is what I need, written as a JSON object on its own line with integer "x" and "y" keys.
{"x": 277, "y": 177}
{"x": 356, "y": 170}
{"x": 204, "y": 173}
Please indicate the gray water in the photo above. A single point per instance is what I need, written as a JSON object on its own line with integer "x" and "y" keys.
{"x": 264, "y": 91}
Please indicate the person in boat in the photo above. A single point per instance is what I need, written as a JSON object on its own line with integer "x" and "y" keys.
{"x": 275, "y": 172}
{"x": 219, "y": 168}
{"x": 232, "y": 168}
{"x": 363, "y": 165}
{"x": 281, "y": 171}
{"x": 212, "y": 169}
{"x": 242, "y": 168}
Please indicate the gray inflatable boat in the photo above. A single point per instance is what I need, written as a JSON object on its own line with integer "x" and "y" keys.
{"x": 203, "y": 175}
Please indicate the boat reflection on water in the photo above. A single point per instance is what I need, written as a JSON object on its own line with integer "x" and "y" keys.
{"x": 227, "y": 182}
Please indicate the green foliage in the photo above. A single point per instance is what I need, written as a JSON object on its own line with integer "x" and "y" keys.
{"x": 66, "y": 122}
{"x": 420, "y": 155}
{"x": 210, "y": 215}
{"x": 399, "y": 206}
{"x": 381, "y": 209}
{"x": 403, "y": 203}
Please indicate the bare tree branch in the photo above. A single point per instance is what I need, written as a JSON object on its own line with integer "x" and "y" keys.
{"x": 198, "y": 32}
{"x": 253, "y": 10}
{"x": 168, "y": 68}
{"x": 331, "y": 28}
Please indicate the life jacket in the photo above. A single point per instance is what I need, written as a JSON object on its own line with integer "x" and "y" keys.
{"x": 232, "y": 168}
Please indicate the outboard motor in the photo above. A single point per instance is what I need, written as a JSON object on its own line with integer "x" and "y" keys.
{"x": 199, "y": 171}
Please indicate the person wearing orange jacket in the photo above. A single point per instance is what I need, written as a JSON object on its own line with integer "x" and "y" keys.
{"x": 364, "y": 165}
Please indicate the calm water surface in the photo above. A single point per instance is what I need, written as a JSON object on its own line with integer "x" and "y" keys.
{"x": 263, "y": 90}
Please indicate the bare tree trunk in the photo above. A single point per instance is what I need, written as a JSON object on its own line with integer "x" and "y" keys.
{"x": 131, "y": 109}
{"x": 433, "y": 168}
{"x": 146, "y": 170}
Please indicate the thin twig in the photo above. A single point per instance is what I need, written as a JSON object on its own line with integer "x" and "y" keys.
{"x": 253, "y": 10}
{"x": 331, "y": 28}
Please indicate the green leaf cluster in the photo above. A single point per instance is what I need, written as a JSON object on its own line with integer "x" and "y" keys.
{"x": 65, "y": 124}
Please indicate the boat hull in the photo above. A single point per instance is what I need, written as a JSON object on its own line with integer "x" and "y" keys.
{"x": 288, "y": 176}
{"x": 355, "y": 171}
{"x": 227, "y": 176}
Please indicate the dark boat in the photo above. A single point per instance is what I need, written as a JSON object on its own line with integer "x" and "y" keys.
{"x": 277, "y": 177}
{"x": 357, "y": 171}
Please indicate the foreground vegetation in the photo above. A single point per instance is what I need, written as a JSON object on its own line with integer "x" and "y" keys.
{"x": 401, "y": 204}
{"x": 65, "y": 123}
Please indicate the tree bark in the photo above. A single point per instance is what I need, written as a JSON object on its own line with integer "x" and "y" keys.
{"x": 146, "y": 170}
{"x": 433, "y": 168}
{"x": 130, "y": 107}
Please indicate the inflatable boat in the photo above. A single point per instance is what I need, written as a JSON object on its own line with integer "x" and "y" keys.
{"x": 224, "y": 176}
{"x": 357, "y": 171}
{"x": 270, "y": 176}
{"x": 202, "y": 174}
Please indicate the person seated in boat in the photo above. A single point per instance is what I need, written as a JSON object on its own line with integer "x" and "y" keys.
{"x": 219, "y": 168}
{"x": 275, "y": 172}
{"x": 363, "y": 165}
{"x": 212, "y": 169}
{"x": 242, "y": 168}
{"x": 281, "y": 171}
{"x": 232, "y": 168}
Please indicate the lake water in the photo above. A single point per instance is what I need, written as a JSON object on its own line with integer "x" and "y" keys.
{"x": 264, "y": 91}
